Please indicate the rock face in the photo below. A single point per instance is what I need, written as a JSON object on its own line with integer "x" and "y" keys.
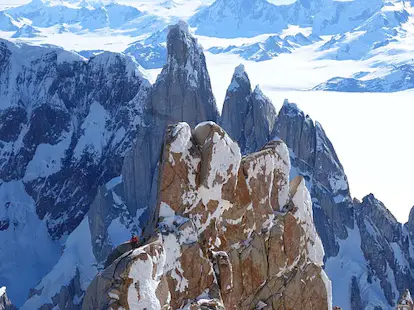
{"x": 248, "y": 116}
{"x": 5, "y": 303}
{"x": 232, "y": 233}
{"x": 236, "y": 106}
{"x": 315, "y": 158}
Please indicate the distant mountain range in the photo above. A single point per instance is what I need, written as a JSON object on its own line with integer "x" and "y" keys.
{"x": 374, "y": 32}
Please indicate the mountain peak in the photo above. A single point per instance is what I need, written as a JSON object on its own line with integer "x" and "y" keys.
{"x": 182, "y": 48}
{"x": 290, "y": 109}
{"x": 376, "y": 211}
{"x": 240, "y": 70}
{"x": 240, "y": 81}
{"x": 183, "y": 89}
{"x": 236, "y": 106}
{"x": 5, "y": 303}
{"x": 259, "y": 95}
{"x": 182, "y": 26}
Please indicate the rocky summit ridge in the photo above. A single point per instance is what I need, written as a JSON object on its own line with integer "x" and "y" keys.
{"x": 232, "y": 233}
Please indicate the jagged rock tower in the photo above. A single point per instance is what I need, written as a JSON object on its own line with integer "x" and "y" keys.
{"x": 231, "y": 233}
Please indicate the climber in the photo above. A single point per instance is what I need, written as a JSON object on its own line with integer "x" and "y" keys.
{"x": 134, "y": 241}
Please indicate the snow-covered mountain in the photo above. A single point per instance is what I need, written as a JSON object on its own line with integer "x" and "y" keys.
{"x": 272, "y": 47}
{"x": 79, "y": 17}
{"x": 93, "y": 15}
{"x": 150, "y": 52}
{"x": 391, "y": 80}
{"x": 241, "y": 18}
{"x": 66, "y": 125}
{"x": 81, "y": 142}
{"x": 81, "y": 134}
{"x": 373, "y": 34}
{"x": 26, "y": 31}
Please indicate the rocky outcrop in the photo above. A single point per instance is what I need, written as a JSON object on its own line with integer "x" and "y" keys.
{"x": 250, "y": 119}
{"x": 5, "y": 303}
{"x": 183, "y": 89}
{"x": 247, "y": 116}
{"x": 232, "y": 233}
{"x": 406, "y": 302}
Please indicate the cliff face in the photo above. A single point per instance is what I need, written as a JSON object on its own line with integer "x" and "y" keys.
{"x": 231, "y": 233}
{"x": 314, "y": 157}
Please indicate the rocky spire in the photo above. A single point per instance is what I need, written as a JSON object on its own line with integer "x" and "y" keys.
{"x": 260, "y": 121}
{"x": 247, "y": 116}
{"x": 236, "y": 106}
{"x": 310, "y": 144}
{"x": 297, "y": 130}
{"x": 182, "y": 91}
